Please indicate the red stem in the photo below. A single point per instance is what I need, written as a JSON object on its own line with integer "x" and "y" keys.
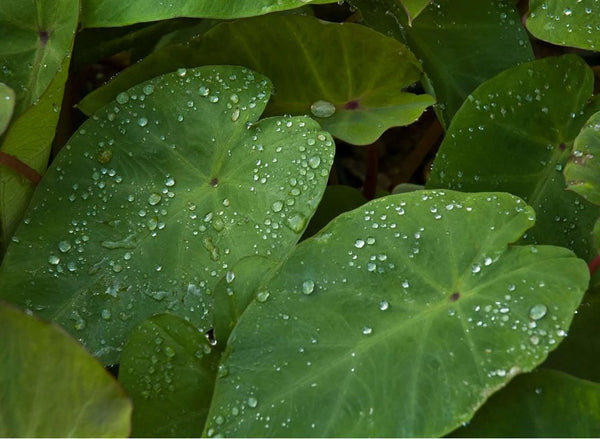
{"x": 21, "y": 168}
{"x": 594, "y": 265}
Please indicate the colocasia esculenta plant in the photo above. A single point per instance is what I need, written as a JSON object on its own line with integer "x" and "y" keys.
{"x": 299, "y": 218}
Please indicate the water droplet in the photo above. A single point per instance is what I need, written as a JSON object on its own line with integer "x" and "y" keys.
{"x": 170, "y": 182}
{"x": 122, "y": 98}
{"x": 367, "y": 330}
{"x": 142, "y": 121}
{"x": 262, "y": 296}
{"x": 538, "y": 311}
{"x": 314, "y": 161}
{"x": 53, "y": 260}
{"x": 229, "y": 276}
{"x": 252, "y": 402}
{"x": 277, "y": 206}
{"x": 359, "y": 243}
{"x": 322, "y": 108}
{"x": 64, "y": 246}
{"x": 204, "y": 91}
{"x": 296, "y": 222}
{"x": 169, "y": 352}
{"x": 106, "y": 314}
{"x": 308, "y": 286}
{"x": 148, "y": 89}
{"x": 384, "y": 305}
{"x": 154, "y": 199}
{"x": 476, "y": 268}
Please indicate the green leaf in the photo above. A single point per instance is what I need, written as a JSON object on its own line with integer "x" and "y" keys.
{"x": 566, "y": 22}
{"x": 544, "y": 403}
{"x": 443, "y": 39}
{"x": 582, "y": 171}
{"x": 357, "y": 106}
{"x": 156, "y": 196}
{"x": 29, "y": 139}
{"x": 514, "y": 134}
{"x": 112, "y": 13}
{"x": 168, "y": 368}
{"x": 579, "y": 354}
{"x": 7, "y": 106}
{"x": 35, "y": 38}
{"x": 236, "y": 290}
{"x": 413, "y": 8}
{"x": 51, "y": 387}
{"x": 365, "y": 339}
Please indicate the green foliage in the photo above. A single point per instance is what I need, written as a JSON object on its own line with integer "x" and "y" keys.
{"x": 209, "y": 232}
{"x": 50, "y": 386}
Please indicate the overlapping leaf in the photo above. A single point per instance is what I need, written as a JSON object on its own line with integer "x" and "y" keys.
{"x": 7, "y": 106}
{"x": 446, "y": 36}
{"x": 544, "y": 403}
{"x": 357, "y": 105}
{"x": 168, "y": 369}
{"x": 35, "y": 38}
{"x": 566, "y": 22}
{"x": 111, "y": 13}
{"x": 356, "y": 335}
{"x": 582, "y": 171}
{"x": 156, "y": 196}
{"x": 514, "y": 134}
{"x": 51, "y": 387}
{"x": 413, "y": 8}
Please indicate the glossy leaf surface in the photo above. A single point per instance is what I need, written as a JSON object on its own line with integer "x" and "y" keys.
{"x": 566, "y": 22}
{"x": 514, "y": 134}
{"x": 447, "y": 34}
{"x": 169, "y": 371}
{"x": 51, "y": 387}
{"x": 356, "y": 106}
{"x": 110, "y": 13}
{"x": 582, "y": 171}
{"x": 156, "y": 196}
{"x": 7, "y": 106}
{"x": 364, "y": 339}
{"x": 35, "y": 38}
{"x": 544, "y": 403}
{"x": 414, "y": 7}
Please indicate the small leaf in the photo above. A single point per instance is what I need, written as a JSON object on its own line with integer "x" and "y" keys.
{"x": 156, "y": 196}
{"x": 514, "y": 134}
{"x": 566, "y": 22}
{"x": 357, "y": 106}
{"x": 35, "y": 38}
{"x": 51, "y": 387}
{"x": 544, "y": 403}
{"x": 582, "y": 171}
{"x": 168, "y": 368}
{"x": 365, "y": 339}
{"x": 29, "y": 140}
{"x": 443, "y": 38}
{"x": 7, "y": 106}
{"x": 113, "y": 13}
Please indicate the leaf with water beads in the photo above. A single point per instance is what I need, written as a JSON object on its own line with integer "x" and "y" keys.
{"x": 168, "y": 368}
{"x": 514, "y": 134}
{"x": 157, "y": 195}
{"x": 7, "y": 106}
{"x": 565, "y": 22}
{"x": 582, "y": 172}
{"x": 365, "y": 339}
{"x": 356, "y": 107}
{"x": 51, "y": 387}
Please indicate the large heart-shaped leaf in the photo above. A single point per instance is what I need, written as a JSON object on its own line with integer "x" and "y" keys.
{"x": 443, "y": 38}
{"x": 51, "y": 387}
{"x": 35, "y": 38}
{"x": 566, "y": 22}
{"x": 357, "y": 106}
{"x": 582, "y": 171}
{"x": 365, "y": 339}
{"x": 544, "y": 403}
{"x": 112, "y": 13}
{"x": 168, "y": 368}
{"x": 514, "y": 134}
{"x": 156, "y": 196}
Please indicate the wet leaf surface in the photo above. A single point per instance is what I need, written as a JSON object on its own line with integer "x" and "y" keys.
{"x": 365, "y": 339}
{"x": 156, "y": 196}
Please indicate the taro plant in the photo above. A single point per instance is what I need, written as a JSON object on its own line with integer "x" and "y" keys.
{"x": 299, "y": 218}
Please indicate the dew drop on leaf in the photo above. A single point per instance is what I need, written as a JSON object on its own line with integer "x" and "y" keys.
{"x": 538, "y": 311}
{"x": 322, "y": 108}
{"x": 308, "y": 286}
